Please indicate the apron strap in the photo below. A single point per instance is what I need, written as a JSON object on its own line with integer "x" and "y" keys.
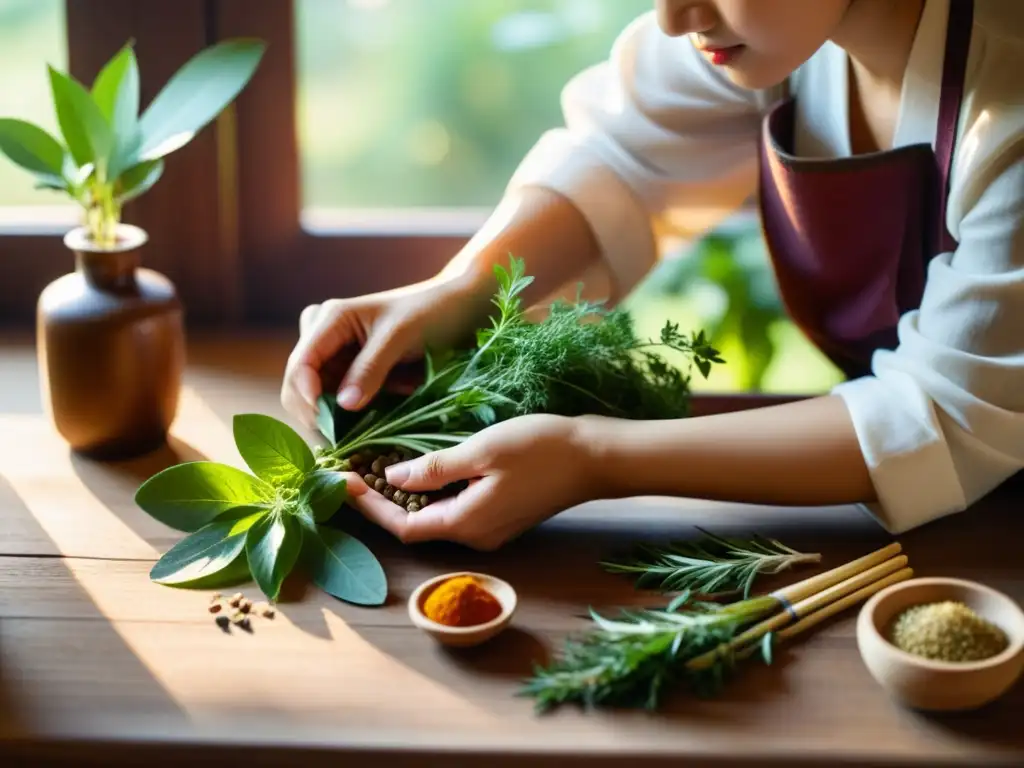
{"x": 959, "y": 28}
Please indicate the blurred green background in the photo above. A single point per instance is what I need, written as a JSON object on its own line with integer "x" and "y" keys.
{"x": 432, "y": 103}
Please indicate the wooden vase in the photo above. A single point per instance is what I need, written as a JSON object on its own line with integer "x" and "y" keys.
{"x": 111, "y": 347}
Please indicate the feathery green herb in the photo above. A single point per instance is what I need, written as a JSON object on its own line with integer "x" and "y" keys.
{"x": 712, "y": 564}
{"x": 582, "y": 358}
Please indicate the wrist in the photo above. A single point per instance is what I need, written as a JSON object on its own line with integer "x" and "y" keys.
{"x": 597, "y": 440}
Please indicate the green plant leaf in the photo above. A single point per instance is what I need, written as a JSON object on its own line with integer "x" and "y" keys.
{"x": 139, "y": 179}
{"x": 342, "y": 566}
{"x": 196, "y": 94}
{"x": 190, "y": 495}
{"x": 88, "y": 134}
{"x": 272, "y": 546}
{"x": 326, "y": 407}
{"x": 203, "y": 554}
{"x": 272, "y": 449}
{"x": 31, "y": 147}
{"x": 116, "y": 92}
{"x": 322, "y": 494}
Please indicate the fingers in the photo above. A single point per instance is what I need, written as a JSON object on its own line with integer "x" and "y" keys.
{"x": 435, "y": 470}
{"x": 370, "y": 368}
{"x": 448, "y": 519}
{"x": 443, "y": 520}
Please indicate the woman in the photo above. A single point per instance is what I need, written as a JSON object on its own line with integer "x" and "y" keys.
{"x": 884, "y": 141}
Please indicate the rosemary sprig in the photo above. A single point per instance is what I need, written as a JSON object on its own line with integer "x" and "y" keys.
{"x": 712, "y": 564}
{"x": 629, "y": 662}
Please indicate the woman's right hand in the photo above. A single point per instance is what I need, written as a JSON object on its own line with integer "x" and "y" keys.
{"x": 364, "y": 338}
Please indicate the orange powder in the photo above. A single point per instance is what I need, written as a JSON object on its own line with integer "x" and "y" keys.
{"x": 461, "y": 602}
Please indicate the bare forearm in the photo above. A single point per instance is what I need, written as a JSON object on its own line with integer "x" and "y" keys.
{"x": 539, "y": 226}
{"x": 802, "y": 453}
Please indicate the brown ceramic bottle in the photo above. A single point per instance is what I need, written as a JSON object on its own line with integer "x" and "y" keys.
{"x": 110, "y": 338}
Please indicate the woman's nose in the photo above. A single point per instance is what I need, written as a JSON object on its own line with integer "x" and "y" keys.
{"x": 683, "y": 17}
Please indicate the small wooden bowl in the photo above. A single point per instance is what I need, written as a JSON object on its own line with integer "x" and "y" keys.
{"x": 463, "y": 636}
{"x": 925, "y": 684}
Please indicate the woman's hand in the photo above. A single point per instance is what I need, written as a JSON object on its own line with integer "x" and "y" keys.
{"x": 358, "y": 342}
{"x": 520, "y": 472}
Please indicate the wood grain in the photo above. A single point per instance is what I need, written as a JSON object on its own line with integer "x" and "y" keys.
{"x": 100, "y": 666}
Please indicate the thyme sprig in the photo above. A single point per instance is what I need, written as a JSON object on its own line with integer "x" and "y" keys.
{"x": 712, "y": 564}
{"x": 631, "y": 661}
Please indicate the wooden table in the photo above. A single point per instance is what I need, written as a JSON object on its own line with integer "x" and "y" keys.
{"x": 98, "y": 665}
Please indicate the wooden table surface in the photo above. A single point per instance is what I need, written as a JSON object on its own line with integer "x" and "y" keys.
{"x": 98, "y": 665}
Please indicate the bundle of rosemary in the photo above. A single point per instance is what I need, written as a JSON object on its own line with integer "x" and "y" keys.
{"x": 632, "y": 661}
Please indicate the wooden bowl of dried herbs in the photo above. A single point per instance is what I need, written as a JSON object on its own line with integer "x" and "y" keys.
{"x": 942, "y": 644}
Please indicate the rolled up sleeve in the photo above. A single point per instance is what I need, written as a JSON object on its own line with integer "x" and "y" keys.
{"x": 941, "y": 420}
{"x": 654, "y": 141}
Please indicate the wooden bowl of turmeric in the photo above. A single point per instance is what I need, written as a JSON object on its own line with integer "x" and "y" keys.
{"x": 462, "y": 608}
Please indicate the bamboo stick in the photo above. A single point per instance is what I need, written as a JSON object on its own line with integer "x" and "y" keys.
{"x": 815, "y": 584}
{"x": 816, "y": 617}
{"x": 798, "y": 610}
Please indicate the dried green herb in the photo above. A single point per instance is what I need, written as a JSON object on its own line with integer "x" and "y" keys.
{"x": 711, "y": 564}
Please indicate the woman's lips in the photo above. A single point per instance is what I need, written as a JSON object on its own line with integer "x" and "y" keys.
{"x": 722, "y": 55}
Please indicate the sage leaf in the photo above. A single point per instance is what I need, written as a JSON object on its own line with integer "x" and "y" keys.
{"x": 272, "y": 449}
{"x": 272, "y": 546}
{"x": 188, "y": 496}
{"x": 326, "y": 407}
{"x": 116, "y": 93}
{"x": 88, "y": 134}
{"x": 139, "y": 179}
{"x": 195, "y": 95}
{"x": 31, "y": 147}
{"x": 322, "y": 494}
{"x": 202, "y": 554}
{"x": 342, "y": 566}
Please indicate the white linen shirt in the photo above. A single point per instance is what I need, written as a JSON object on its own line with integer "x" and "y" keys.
{"x": 657, "y": 141}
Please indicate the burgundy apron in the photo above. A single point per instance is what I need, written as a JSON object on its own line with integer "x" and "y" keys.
{"x": 850, "y": 239}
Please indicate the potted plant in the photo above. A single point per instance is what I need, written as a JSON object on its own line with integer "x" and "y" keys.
{"x": 110, "y": 334}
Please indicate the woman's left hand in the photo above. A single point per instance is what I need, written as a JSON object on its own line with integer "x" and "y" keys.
{"x": 520, "y": 472}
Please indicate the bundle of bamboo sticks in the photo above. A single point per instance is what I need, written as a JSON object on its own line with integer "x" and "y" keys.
{"x": 811, "y": 601}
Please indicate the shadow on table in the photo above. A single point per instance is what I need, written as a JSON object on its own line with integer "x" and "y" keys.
{"x": 46, "y": 661}
{"x": 987, "y": 725}
{"x": 114, "y": 483}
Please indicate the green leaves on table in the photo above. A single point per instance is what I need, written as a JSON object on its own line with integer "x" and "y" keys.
{"x": 322, "y": 494}
{"x": 342, "y": 566}
{"x": 273, "y": 451}
{"x": 209, "y": 552}
{"x": 190, "y": 495}
{"x": 272, "y": 546}
{"x": 261, "y": 525}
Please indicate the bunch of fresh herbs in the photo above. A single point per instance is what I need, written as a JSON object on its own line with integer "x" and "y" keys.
{"x": 632, "y": 661}
{"x": 582, "y": 358}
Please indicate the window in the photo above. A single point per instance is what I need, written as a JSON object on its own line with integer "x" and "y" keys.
{"x": 32, "y": 35}
{"x": 416, "y": 108}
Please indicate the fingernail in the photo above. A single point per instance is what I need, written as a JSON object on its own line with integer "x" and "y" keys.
{"x": 350, "y": 396}
{"x": 396, "y": 474}
{"x": 307, "y": 392}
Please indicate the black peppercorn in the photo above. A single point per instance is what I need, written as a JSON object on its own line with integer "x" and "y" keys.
{"x": 380, "y": 484}
{"x": 400, "y": 498}
{"x": 412, "y": 506}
